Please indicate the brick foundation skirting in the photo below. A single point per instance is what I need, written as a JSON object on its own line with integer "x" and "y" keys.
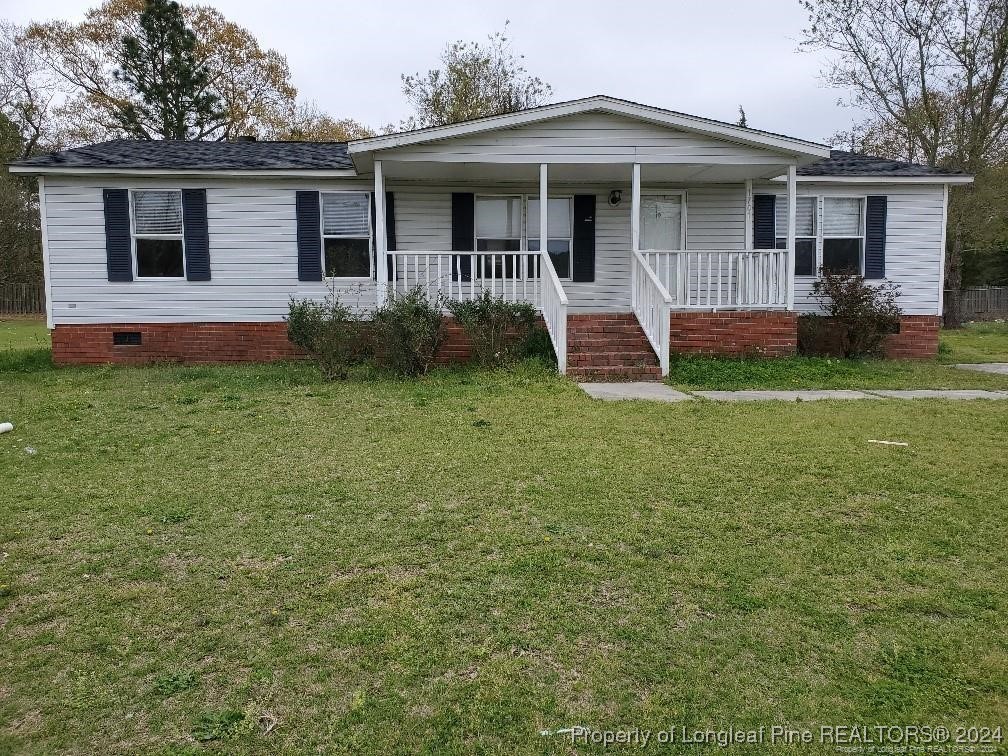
{"x": 769, "y": 334}
{"x": 762, "y": 333}
{"x": 201, "y": 343}
{"x": 917, "y": 339}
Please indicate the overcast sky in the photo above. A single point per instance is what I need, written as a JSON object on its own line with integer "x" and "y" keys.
{"x": 704, "y": 57}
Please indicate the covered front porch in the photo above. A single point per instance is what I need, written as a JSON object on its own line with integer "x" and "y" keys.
{"x": 651, "y": 250}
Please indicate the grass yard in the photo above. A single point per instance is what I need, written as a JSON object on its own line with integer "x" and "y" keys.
{"x": 247, "y": 559}
{"x": 977, "y": 342}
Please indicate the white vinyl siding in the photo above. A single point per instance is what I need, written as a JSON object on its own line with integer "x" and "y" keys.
{"x": 253, "y": 256}
{"x": 253, "y": 245}
{"x": 913, "y": 253}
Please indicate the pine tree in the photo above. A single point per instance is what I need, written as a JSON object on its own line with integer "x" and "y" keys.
{"x": 161, "y": 66}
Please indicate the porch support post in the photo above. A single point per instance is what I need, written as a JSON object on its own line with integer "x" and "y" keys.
{"x": 792, "y": 203}
{"x": 380, "y": 237}
{"x": 543, "y": 208}
{"x": 748, "y": 215}
{"x": 635, "y": 209}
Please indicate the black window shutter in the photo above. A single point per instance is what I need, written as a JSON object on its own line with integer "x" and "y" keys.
{"x": 583, "y": 240}
{"x": 764, "y": 221}
{"x": 389, "y": 228}
{"x": 117, "y": 235}
{"x": 463, "y": 229}
{"x": 309, "y": 236}
{"x": 875, "y": 234}
{"x": 196, "y": 235}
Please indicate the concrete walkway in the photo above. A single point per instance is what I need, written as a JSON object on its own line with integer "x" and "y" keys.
{"x": 1000, "y": 368}
{"x": 655, "y": 392}
{"x": 659, "y": 392}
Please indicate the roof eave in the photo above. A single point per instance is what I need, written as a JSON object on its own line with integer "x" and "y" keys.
{"x": 958, "y": 179}
{"x": 35, "y": 170}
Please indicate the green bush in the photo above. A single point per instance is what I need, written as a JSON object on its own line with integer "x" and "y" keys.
{"x": 857, "y": 317}
{"x": 539, "y": 346}
{"x": 408, "y": 332}
{"x": 499, "y": 329}
{"x": 332, "y": 335}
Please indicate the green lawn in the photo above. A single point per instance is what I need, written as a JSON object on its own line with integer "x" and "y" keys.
{"x": 977, "y": 342}
{"x": 454, "y": 564}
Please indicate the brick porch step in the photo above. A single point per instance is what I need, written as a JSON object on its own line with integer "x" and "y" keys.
{"x": 609, "y": 347}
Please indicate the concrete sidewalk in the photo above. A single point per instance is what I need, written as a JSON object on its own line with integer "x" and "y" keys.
{"x": 998, "y": 368}
{"x": 659, "y": 392}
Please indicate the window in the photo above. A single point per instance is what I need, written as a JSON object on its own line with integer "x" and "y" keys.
{"x": 158, "y": 248}
{"x": 843, "y": 235}
{"x": 805, "y": 232}
{"x": 498, "y": 224}
{"x": 346, "y": 234}
{"x": 559, "y": 243}
{"x": 661, "y": 222}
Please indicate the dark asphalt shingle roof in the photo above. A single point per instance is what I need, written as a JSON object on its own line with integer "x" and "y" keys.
{"x": 841, "y": 163}
{"x": 204, "y": 156}
{"x": 238, "y": 156}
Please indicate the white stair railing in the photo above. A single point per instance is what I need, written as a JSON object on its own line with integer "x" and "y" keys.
{"x": 652, "y": 305}
{"x": 732, "y": 279}
{"x": 553, "y": 305}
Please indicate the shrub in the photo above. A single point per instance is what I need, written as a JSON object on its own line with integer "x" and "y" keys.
{"x": 331, "y": 334}
{"x": 858, "y": 316}
{"x": 539, "y": 346}
{"x": 498, "y": 329}
{"x": 408, "y": 332}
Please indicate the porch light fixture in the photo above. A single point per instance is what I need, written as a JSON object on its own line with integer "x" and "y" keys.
{"x": 615, "y": 197}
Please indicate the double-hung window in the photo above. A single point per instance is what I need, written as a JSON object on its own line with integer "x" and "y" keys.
{"x": 346, "y": 235}
{"x": 158, "y": 248}
{"x": 805, "y": 232}
{"x": 498, "y": 224}
{"x": 843, "y": 232}
{"x": 560, "y": 230}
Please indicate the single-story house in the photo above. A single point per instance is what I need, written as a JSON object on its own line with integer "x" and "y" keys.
{"x": 664, "y": 232}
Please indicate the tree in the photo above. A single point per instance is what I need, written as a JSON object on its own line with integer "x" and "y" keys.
{"x": 79, "y": 62}
{"x": 27, "y": 93}
{"x": 160, "y": 65}
{"x": 475, "y": 81}
{"x": 304, "y": 122}
{"x": 20, "y": 240}
{"x": 741, "y": 118}
{"x": 932, "y": 76}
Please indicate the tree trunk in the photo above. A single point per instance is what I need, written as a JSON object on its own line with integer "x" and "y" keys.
{"x": 953, "y": 281}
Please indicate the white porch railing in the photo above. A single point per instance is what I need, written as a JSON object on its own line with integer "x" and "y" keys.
{"x": 737, "y": 279}
{"x": 515, "y": 276}
{"x": 651, "y": 303}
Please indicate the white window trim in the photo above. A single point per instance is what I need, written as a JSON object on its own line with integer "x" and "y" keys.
{"x": 816, "y": 237}
{"x": 323, "y": 236}
{"x": 134, "y": 236}
{"x": 682, "y": 216}
{"x": 863, "y": 199}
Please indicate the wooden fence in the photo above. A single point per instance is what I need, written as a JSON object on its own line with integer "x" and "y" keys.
{"x": 985, "y": 302}
{"x": 22, "y": 299}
